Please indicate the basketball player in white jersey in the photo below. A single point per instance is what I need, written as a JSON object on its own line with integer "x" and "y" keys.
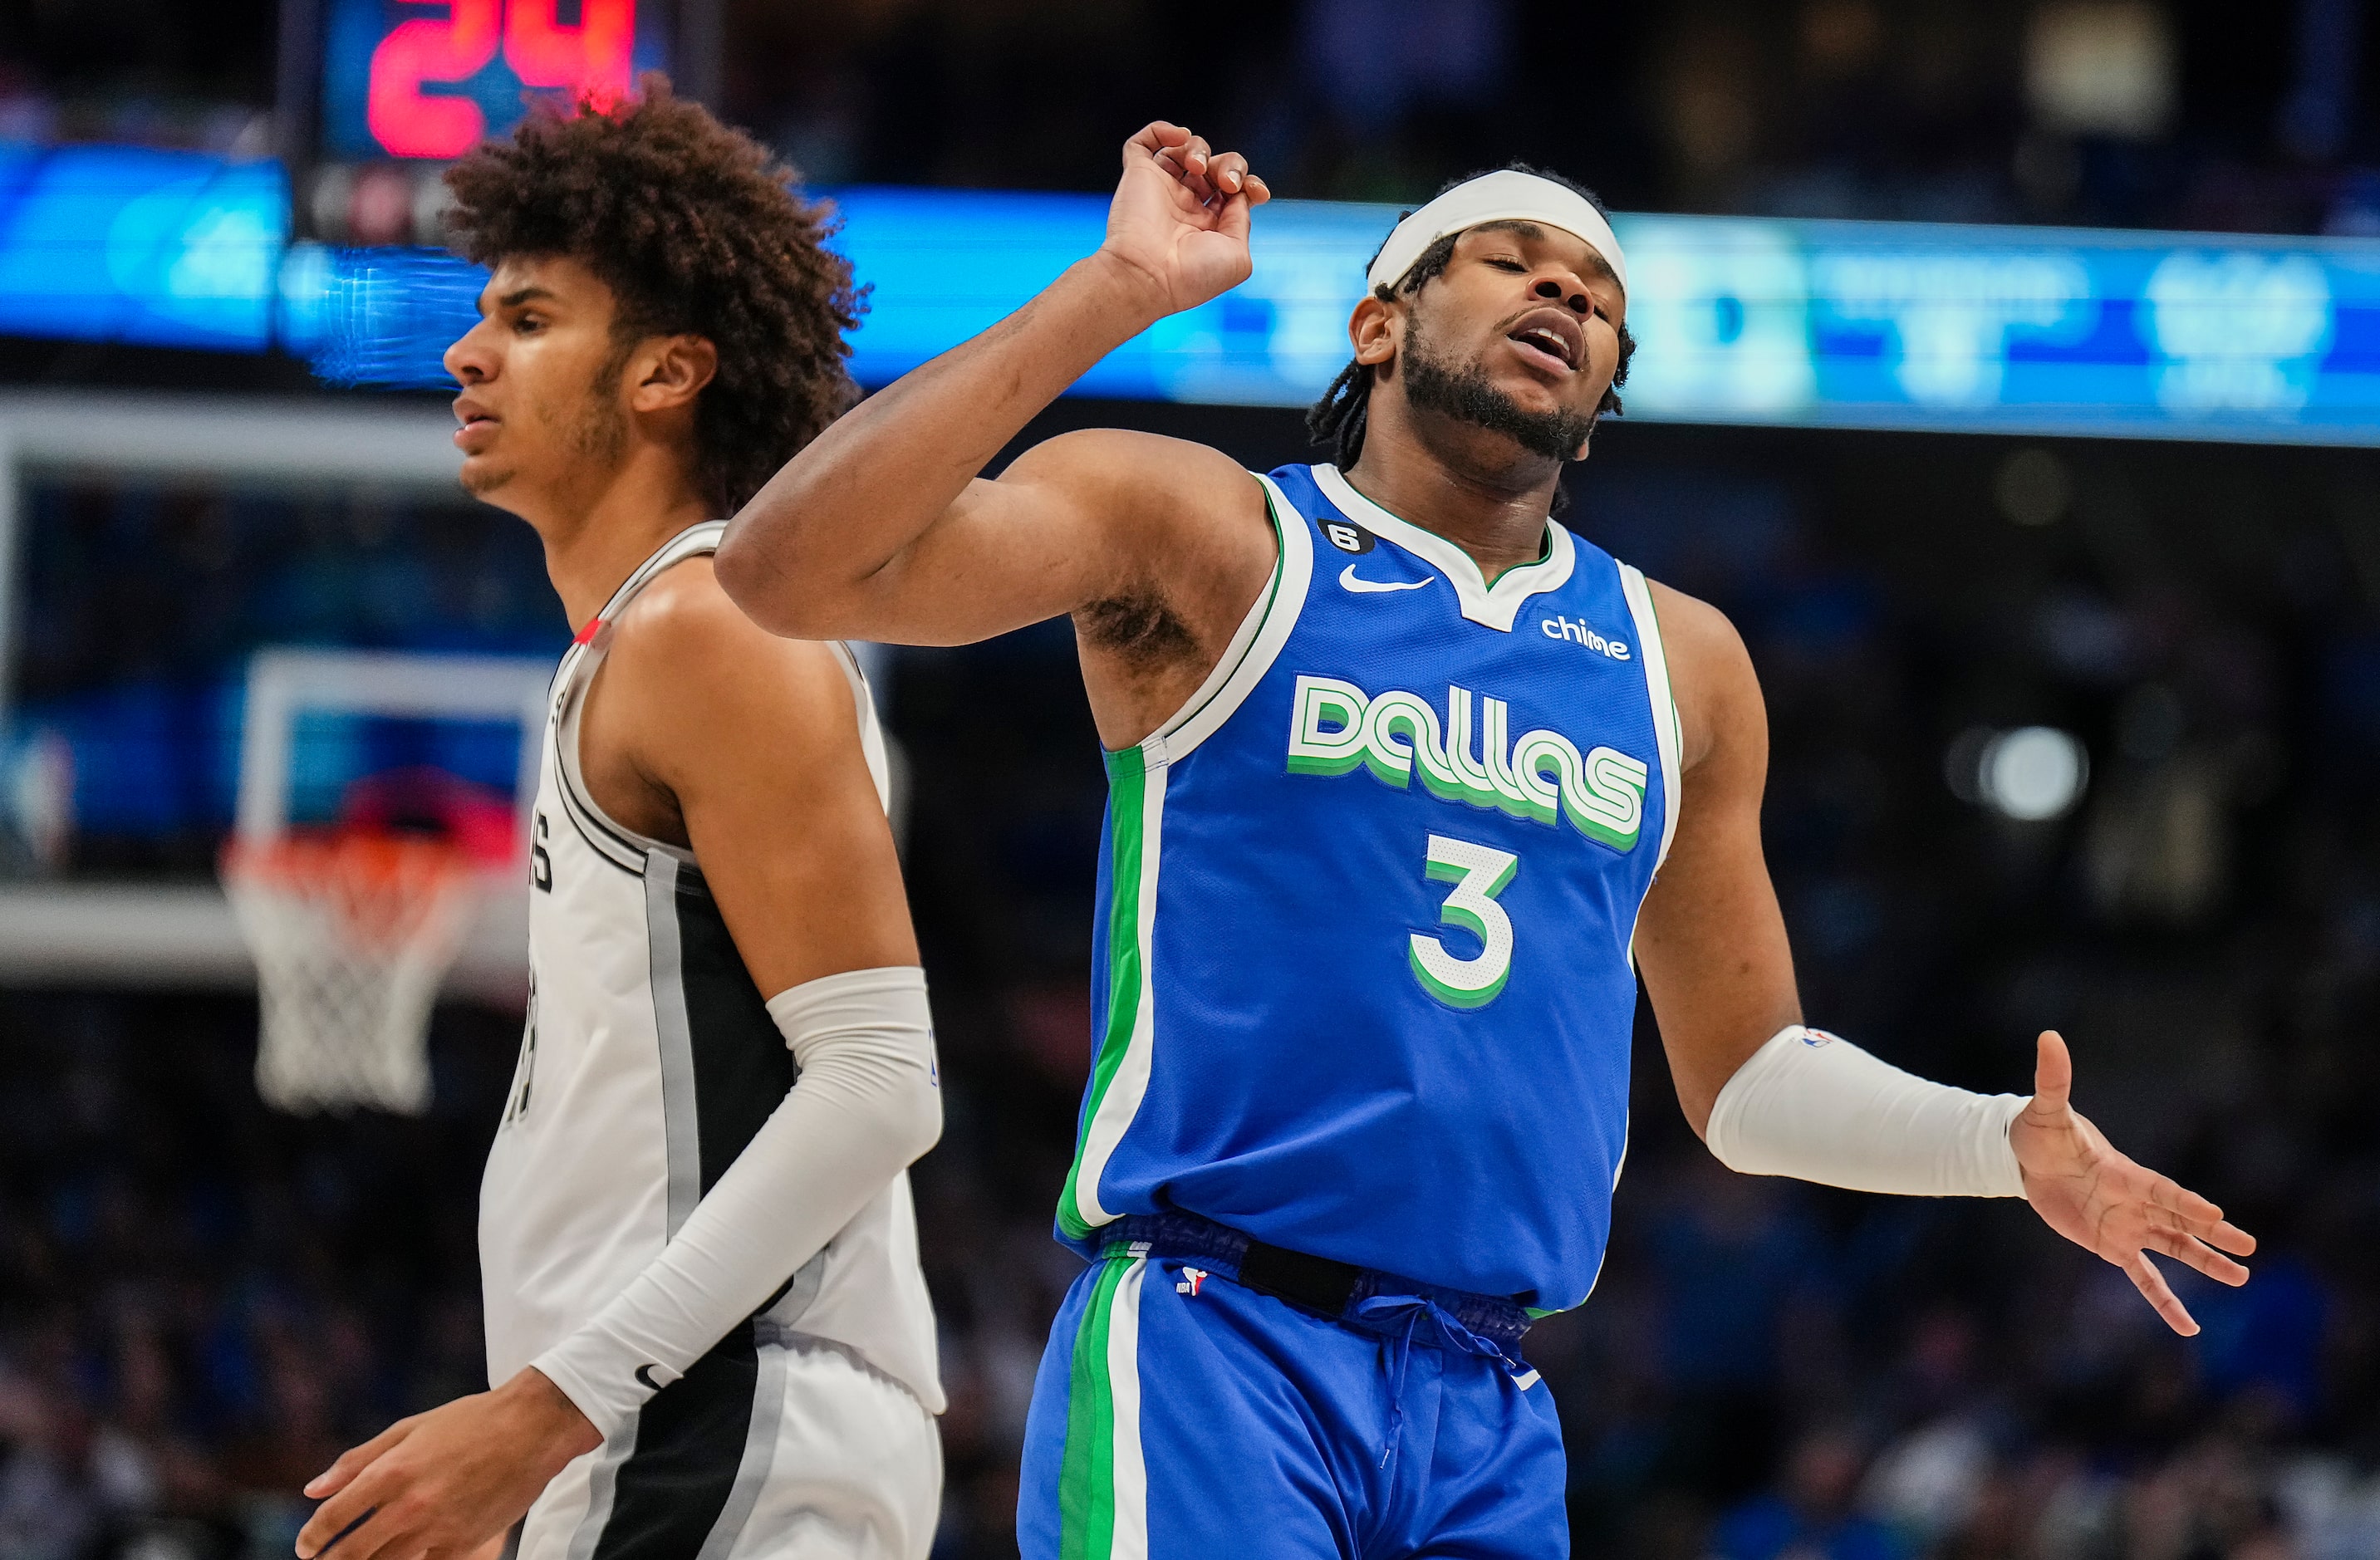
{"x": 708, "y": 1334}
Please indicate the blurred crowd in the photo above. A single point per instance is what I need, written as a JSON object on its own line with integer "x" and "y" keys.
{"x": 2115, "y": 112}
{"x": 2125, "y": 112}
{"x": 203, "y": 1303}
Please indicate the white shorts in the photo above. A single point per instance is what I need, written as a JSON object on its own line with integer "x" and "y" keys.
{"x": 786, "y": 1446}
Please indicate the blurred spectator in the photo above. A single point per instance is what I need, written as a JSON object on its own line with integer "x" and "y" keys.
{"x": 1810, "y": 1515}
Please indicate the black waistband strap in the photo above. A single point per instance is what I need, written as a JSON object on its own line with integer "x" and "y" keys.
{"x": 1318, "y": 1284}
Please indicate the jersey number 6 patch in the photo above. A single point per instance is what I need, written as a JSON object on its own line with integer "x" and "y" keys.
{"x": 1479, "y": 873}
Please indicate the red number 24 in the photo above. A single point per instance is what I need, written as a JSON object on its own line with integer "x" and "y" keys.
{"x": 591, "y": 58}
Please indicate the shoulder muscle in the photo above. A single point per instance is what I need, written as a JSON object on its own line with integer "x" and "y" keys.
{"x": 695, "y": 684}
{"x": 754, "y": 741}
{"x": 1718, "y": 694}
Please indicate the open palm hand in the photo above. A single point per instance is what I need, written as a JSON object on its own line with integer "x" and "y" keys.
{"x": 2104, "y": 1202}
{"x": 1180, "y": 216}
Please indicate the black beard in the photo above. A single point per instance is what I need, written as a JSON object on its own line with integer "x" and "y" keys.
{"x": 1465, "y": 394}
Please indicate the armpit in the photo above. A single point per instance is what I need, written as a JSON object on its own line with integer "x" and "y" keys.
{"x": 1142, "y": 629}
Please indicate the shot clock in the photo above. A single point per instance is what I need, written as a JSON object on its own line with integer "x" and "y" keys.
{"x": 385, "y": 92}
{"x": 406, "y": 79}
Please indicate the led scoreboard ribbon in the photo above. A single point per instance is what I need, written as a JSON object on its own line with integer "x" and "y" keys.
{"x": 1842, "y": 324}
{"x": 406, "y": 79}
{"x": 1911, "y": 325}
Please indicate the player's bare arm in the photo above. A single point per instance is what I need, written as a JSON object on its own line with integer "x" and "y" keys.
{"x": 1710, "y": 938}
{"x": 707, "y": 732}
{"x": 1711, "y": 944}
{"x": 882, "y": 529}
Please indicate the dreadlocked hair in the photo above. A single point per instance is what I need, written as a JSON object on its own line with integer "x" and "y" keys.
{"x": 696, "y": 230}
{"x": 1342, "y": 417}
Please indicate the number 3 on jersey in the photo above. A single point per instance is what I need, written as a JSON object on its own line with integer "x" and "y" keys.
{"x": 1479, "y": 873}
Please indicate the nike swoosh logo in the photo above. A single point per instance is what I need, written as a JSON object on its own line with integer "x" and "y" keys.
{"x": 1347, "y": 578}
{"x": 644, "y": 1375}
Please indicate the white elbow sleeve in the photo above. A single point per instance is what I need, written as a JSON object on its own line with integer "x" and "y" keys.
{"x": 1816, "y": 1108}
{"x": 866, "y": 1039}
{"x": 865, "y": 1105}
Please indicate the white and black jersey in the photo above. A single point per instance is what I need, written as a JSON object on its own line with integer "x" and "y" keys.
{"x": 648, "y": 1062}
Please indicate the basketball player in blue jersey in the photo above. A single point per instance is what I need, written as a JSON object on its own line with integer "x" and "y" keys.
{"x": 1407, "y": 784}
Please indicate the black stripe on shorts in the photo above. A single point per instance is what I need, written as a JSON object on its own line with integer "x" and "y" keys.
{"x": 690, "y": 1437}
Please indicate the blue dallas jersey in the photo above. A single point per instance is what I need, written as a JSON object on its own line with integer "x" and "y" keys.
{"x": 1364, "y": 982}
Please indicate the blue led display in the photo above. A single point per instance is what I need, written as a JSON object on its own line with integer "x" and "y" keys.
{"x": 1845, "y": 324}
{"x": 377, "y": 317}
{"x": 1841, "y": 325}
{"x": 164, "y": 248}
{"x": 1889, "y": 326}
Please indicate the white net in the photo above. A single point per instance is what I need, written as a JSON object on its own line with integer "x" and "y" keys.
{"x": 352, "y": 933}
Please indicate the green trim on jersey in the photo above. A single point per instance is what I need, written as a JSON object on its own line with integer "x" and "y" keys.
{"x": 1220, "y": 681}
{"x": 1127, "y": 960}
{"x": 1135, "y": 813}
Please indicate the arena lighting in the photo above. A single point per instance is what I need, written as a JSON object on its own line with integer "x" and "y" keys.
{"x": 1873, "y": 326}
{"x": 2030, "y": 774}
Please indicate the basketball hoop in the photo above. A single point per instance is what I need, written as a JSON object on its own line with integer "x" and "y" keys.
{"x": 353, "y": 927}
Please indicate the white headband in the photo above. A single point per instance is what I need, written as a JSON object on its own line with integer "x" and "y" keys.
{"x": 1505, "y": 196}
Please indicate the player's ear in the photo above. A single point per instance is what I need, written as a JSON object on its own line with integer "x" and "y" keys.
{"x": 673, "y": 370}
{"x": 1376, "y": 330}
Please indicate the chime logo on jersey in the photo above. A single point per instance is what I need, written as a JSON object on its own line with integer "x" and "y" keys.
{"x": 1395, "y": 734}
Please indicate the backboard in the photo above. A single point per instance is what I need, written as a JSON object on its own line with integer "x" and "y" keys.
{"x": 219, "y": 613}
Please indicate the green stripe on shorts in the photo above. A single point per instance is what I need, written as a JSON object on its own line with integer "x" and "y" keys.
{"x": 1087, "y": 1477}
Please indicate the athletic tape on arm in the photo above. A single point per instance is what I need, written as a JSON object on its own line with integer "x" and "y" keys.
{"x": 865, "y": 1106}
{"x": 1818, "y": 1109}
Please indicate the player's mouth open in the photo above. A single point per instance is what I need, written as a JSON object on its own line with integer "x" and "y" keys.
{"x": 1552, "y": 336}
{"x": 471, "y": 418}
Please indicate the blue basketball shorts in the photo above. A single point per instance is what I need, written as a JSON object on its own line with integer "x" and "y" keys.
{"x": 1180, "y": 1415}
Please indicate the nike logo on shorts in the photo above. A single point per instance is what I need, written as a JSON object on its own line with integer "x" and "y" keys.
{"x": 1349, "y": 580}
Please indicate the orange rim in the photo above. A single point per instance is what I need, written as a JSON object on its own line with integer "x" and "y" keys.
{"x": 379, "y": 885}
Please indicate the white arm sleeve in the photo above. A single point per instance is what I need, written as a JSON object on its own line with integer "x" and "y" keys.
{"x": 867, "y": 1103}
{"x": 1818, "y": 1109}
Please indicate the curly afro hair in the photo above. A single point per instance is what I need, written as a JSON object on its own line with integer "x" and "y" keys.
{"x": 696, "y": 230}
{"x": 1342, "y": 417}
